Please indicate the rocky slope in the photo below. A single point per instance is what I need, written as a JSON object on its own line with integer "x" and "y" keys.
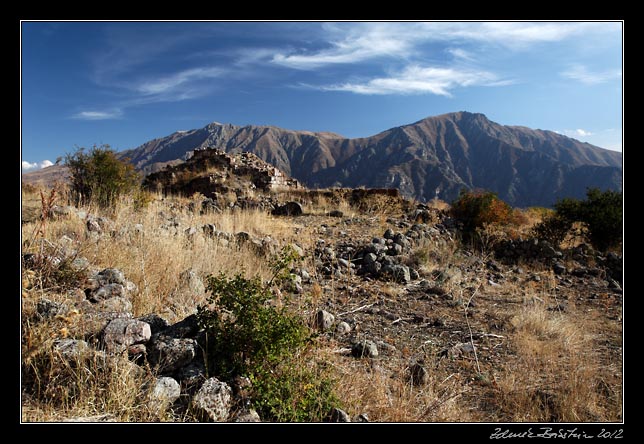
{"x": 437, "y": 155}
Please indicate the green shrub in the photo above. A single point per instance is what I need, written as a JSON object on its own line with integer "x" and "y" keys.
{"x": 99, "y": 176}
{"x": 600, "y": 212}
{"x": 247, "y": 335}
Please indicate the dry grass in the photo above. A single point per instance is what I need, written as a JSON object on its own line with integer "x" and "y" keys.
{"x": 553, "y": 367}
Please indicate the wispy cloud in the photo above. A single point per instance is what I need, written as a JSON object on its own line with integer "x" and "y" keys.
{"x": 510, "y": 34}
{"x": 461, "y": 54}
{"x": 176, "y": 83}
{"x": 587, "y": 77}
{"x": 99, "y": 115}
{"x": 352, "y": 43}
{"x": 27, "y": 166}
{"x": 421, "y": 80}
{"x": 576, "y": 133}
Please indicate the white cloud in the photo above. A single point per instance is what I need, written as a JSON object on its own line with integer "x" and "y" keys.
{"x": 511, "y": 34}
{"x": 351, "y": 42}
{"x": 575, "y": 133}
{"x": 98, "y": 115}
{"x": 26, "y": 166}
{"x": 174, "y": 82}
{"x": 461, "y": 54}
{"x": 421, "y": 80}
{"x": 583, "y": 75}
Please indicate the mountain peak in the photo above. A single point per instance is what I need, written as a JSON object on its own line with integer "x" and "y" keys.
{"x": 449, "y": 152}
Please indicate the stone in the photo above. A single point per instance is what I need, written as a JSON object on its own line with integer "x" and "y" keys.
{"x": 369, "y": 258}
{"x": 120, "y": 307}
{"x": 559, "y": 268}
{"x": 344, "y": 263}
{"x": 336, "y": 213}
{"x": 362, "y": 417}
{"x": 288, "y": 209}
{"x": 395, "y": 250}
{"x": 71, "y": 349}
{"x": 121, "y": 333}
{"x": 192, "y": 374}
{"x": 156, "y": 322}
{"x": 110, "y": 276}
{"x": 46, "y": 309}
{"x": 324, "y": 320}
{"x": 107, "y": 291}
{"x": 170, "y": 354}
{"x": 209, "y": 230}
{"x": 247, "y": 416}
{"x": 365, "y": 348}
{"x": 165, "y": 391}
{"x": 188, "y": 326}
{"x": 338, "y": 415}
{"x": 343, "y": 328}
{"x": 399, "y": 273}
{"x": 389, "y": 234}
{"x": 213, "y": 400}
{"x": 418, "y": 374}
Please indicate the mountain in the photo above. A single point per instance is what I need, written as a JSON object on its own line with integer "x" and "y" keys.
{"x": 435, "y": 156}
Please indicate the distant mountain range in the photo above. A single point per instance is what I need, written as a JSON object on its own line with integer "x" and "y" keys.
{"x": 436, "y": 156}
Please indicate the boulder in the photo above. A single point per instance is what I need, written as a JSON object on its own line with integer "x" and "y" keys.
{"x": 213, "y": 401}
{"x": 324, "y": 320}
{"x": 121, "y": 333}
{"x": 288, "y": 209}
{"x": 365, "y": 348}
{"x": 170, "y": 354}
{"x": 338, "y": 415}
{"x": 247, "y": 416}
{"x": 165, "y": 391}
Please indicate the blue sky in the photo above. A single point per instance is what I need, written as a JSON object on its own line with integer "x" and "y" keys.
{"x": 124, "y": 83}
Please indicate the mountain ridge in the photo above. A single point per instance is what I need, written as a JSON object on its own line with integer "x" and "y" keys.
{"x": 434, "y": 156}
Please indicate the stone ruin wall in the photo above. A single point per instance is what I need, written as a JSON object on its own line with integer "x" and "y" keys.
{"x": 263, "y": 175}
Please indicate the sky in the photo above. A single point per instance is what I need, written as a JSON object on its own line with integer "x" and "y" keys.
{"x": 125, "y": 83}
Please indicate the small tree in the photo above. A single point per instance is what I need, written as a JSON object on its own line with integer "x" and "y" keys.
{"x": 99, "y": 176}
{"x": 600, "y": 212}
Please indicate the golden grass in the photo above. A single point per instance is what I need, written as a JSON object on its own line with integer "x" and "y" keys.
{"x": 554, "y": 369}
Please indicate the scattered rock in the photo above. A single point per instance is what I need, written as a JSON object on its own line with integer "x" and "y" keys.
{"x": 121, "y": 333}
{"x": 365, "y": 348}
{"x": 362, "y": 417}
{"x": 288, "y": 209}
{"x": 559, "y": 268}
{"x": 46, "y": 309}
{"x": 166, "y": 390}
{"x": 107, "y": 292}
{"x": 71, "y": 349}
{"x": 343, "y": 328}
{"x": 213, "y": 400}
{"x": 247, "y": 416}
{"x": 170, "y": 354}
{"x": 338, "y": 415}
{"x": 418, "y": 374}
{"x": 156, "y": 322}
{"x": 324, "y": 320}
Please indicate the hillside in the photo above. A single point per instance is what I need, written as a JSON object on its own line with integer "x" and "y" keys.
{"x": 435, "y": 156}
{"x": 403, "y": 322}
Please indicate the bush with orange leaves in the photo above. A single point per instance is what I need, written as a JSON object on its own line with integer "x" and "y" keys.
{"x": 478, "y": 208}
